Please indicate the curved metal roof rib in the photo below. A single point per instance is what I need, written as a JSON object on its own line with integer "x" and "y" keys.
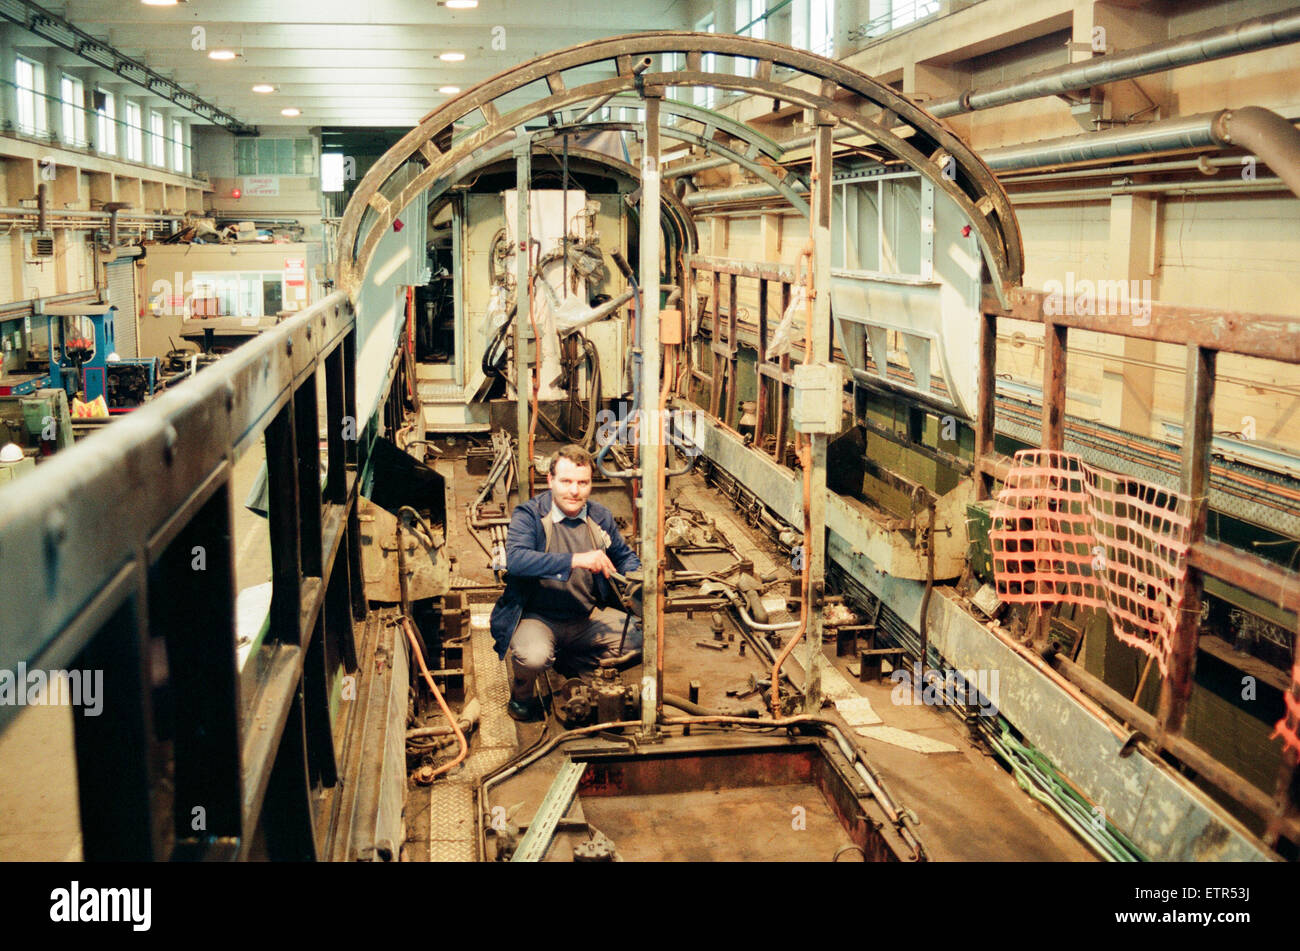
{"x": 891, "y": 120}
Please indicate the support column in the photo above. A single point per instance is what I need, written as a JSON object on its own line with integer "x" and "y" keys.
{"x": 523, "y": 236}
{"x": 650, "y": 436}
{"x": 8, "y": 91}
{"x": 1128, "y": 389}
{"x": 821, "y": 353}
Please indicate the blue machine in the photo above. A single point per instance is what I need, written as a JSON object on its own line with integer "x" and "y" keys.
{"x": 81, "y": 340}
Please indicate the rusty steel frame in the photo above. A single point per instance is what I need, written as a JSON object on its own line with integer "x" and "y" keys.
{"x": 930, "y": 148}
{"x": 100, "y": 552}
{"x": 1204, "y": 333}
{"x": 725, "y": 355}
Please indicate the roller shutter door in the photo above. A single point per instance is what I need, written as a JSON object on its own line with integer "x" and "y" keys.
{"x": 121, "y": 294}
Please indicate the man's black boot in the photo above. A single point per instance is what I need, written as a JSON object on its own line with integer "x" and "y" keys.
{"x": 525, "y": 711}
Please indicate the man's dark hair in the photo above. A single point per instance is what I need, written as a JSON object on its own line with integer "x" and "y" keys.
{"x": 575, "y": 454}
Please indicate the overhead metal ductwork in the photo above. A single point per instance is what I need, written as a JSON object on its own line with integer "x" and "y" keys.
{"x": 1258, "y": 34}
{"x": 1270, "y": 137}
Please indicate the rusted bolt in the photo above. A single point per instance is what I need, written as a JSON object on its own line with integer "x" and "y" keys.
{"x": 288, "y": 345}
{"x": 56, "y": 527}
{"x": 169, "y": 444}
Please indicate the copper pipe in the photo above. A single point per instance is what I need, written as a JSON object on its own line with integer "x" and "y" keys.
{"x": 803, "y": 445}
{"x": 537, "y": 376}
{"x": 437, "y": 694}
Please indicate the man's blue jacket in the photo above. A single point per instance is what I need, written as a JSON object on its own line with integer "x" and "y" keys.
{"x": 527, "y": 560}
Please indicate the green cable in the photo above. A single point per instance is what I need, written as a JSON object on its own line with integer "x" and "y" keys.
{"x": 1036, "y": 775}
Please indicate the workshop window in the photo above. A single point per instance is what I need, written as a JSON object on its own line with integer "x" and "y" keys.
{"x": 706, "y": 95}
{"x": 134, "y": 133}
{"x": 106, "y": 121}
{"x": 29, "y": 77}
{"x": 157, "y": 139}
{"x": 751, "y": 20}
{"x": 73, "y": 97}
{"x": 267, "y": 156}
{"x": 178, "y": 146}
{"x": 238, "y": 294}
{"x": 812, "y": 26}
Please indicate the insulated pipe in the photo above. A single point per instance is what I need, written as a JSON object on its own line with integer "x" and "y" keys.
{"x": 42, "y": 194}
{"x": 739, "y": 193}
{"x": 691, "y": 168}
{"x": 1265, "y": 134}
{"x": 1189, "y": 132}
{"x": 1258, "y": 34}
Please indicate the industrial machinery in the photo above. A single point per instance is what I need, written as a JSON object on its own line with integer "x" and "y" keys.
{"x": 73, "y": 347}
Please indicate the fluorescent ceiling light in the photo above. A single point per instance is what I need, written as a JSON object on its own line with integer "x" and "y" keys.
{"x": 263, "y": 87}
{"x": 222, "y": 54}
{"x": 461, "y": 4}
{"x": 449, "y": 90}
{"x": 164, "y": 3}
{"x": 291, "y": 111}
{"x": 451, "y": 56}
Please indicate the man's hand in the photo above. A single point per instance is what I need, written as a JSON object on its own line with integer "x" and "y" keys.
{"x": 595, "y": 561}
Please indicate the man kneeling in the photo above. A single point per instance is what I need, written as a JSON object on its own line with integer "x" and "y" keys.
{"x": 558, "y": 602}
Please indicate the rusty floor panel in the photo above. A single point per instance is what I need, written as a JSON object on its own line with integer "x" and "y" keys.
{"x": 790, "y": 823}
{"x": 970, "y": 809}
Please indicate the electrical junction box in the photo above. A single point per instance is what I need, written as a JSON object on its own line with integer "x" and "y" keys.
{"x": 818, "y": 405}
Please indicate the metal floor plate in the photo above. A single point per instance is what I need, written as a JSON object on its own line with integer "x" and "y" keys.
{"x": 451, "y": 801}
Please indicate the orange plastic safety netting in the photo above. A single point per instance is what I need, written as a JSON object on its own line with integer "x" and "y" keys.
{"x": 1289, "y": 726}
{"x": 1066, "y": 533}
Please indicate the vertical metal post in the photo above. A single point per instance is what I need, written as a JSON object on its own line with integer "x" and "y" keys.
{"x": 193, "y": 606}
{"x": 733, "y": 353}
{"x": 1198, "y": 435}
{"x": 115, "y": 750}
{"x": 985, "y": 431}
{"x": 284, "y": 526}
{"x": 815, "y": 545}
{"x": 523, "y": 236}
{"x": 1054, "y": 351}
{"x": 760, "y": 395}
{"x": 652, "y": 468}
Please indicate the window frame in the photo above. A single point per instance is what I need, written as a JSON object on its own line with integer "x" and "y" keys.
{"x": 31, "y": 118}
{"x": 134, "y": 132}
{"x": 157, "y": 139}
{"x": 72, "y": 111}
{"x": 178, "y": 146}
{"x": 106, "y": 123}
